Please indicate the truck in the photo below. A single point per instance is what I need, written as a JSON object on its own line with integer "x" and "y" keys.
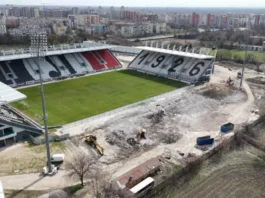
{"x": 205, "y": 140}
{"x": 227, "y": 127}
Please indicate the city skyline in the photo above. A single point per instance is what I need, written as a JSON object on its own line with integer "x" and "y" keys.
{"x": 147, "y": 3}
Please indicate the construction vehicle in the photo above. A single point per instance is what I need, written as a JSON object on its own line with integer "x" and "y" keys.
{"x": 229, "y": 82}
{"x": 92, "y": 141}
{"x": 239, "y": 75}
{"x": 140, "y": 135}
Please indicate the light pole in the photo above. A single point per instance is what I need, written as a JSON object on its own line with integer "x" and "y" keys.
{"x": 39, "y": 49}
{"x": 243, "y": 68}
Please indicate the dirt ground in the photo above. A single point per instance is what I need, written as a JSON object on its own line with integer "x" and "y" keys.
{"x": 238, "y": 173}
{"x": 187, "y": 114}
{"x": 29, "y": 159}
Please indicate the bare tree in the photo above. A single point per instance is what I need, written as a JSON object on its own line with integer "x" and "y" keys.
{"x": 102, "y": 187}
{"x": 80, "y": 166}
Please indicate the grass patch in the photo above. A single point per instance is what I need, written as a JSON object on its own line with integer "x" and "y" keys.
{"x": 241, "y": 53}
{"x": 73, "y": 100}
{"x": 10, "y": 47}
{"x": 23, "y": 193}
{"x": 72, "y": 189}
{"x": 57, "y": 146}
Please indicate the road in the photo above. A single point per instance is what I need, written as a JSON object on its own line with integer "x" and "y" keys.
{"x": 33, "y": 181}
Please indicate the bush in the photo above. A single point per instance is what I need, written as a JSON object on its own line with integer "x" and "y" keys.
{"x": 251, "y": 58}
{"x": 223, "y": 55}
{"x": 238, "y": 59}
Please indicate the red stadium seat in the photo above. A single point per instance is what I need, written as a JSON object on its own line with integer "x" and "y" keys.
{"x": 94, "y": 60}
{"x": 109, "y": 58}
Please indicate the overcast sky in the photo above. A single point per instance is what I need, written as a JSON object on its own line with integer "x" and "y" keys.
{"x": 145, "y": 3}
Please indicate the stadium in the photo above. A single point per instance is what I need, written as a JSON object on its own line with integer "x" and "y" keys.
{"x": 72, "y": 96}
{"x": 115, "y": 93}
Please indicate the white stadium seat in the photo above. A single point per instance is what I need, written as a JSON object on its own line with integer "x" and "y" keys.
{"x": 189, "y": 68}
{"x": 78, "y": 63}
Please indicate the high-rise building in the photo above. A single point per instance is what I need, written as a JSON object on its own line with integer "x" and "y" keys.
{"x": 122, "y": 10}
{"x": 194, "y": 19}
{"x": 75, "y": 10}
{"x": 2, "y": 24}
{"x": 15, "y": 11}
{"x": 25, "y": 12}
{"x": 112, "y": 13}
{"x": 100, "y": 10}
{"x": 203, "y": 20}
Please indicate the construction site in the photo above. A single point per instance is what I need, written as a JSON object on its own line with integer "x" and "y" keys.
{"x": 161, "y": 132}
{"x": 159, "y": 136}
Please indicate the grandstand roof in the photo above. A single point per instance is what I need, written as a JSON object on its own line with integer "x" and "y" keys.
{"x": 54, "y": 50}
{"x": 8, "y": 94}
{"x": 178, "y": 53}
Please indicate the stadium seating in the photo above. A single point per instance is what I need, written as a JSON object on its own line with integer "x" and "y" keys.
{"x": 96, "y": 62}
{"x": 26, "y": 71}
{"x": 188, "y": 69}
{"x": 60, "y": 66}
{"x": 22, "y": 75}
{"x": 109, "y": 58}
{"x": 78, "y": 62}
{"x": 3, "y": 76}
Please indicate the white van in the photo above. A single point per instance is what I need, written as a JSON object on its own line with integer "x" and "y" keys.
{"x": 2, "y": 195}
{"x": 57, "y": 158}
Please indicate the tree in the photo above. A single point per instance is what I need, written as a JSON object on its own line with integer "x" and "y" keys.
{"x": 238, "y": 59}
{"x": 80, "y": 166}
{"x": 102, "y": 187}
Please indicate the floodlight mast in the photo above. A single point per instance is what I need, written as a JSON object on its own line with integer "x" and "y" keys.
{"x": 39, "y": 49}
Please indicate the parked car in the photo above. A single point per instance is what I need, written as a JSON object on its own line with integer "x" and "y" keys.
{"x": 57, "y": 158}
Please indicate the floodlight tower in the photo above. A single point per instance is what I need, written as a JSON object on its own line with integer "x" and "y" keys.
{"x": 39, "y": 49}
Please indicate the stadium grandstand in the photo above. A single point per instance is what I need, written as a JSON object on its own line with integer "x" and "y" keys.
{"x": 184, "y": 66}
{"x": 19, "y": 67}
{"x": 14, "y": 126}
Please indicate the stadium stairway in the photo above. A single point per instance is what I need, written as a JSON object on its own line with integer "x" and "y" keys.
{"x": 67, "y": 64}
{"x": 21, "y": 72}
{"x": 16, "y": 123}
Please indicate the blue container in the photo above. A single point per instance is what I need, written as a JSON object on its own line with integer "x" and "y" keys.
{"x": 205, "y": 140}
{"x": 227, "y": 127}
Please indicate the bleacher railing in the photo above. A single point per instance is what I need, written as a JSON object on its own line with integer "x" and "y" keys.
{"x": 55, "y": 48}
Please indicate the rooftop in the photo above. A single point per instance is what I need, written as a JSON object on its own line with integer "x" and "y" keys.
{"x": 177, "y": 53}
{"x": 8, "y": 94}
{"x": 138, "y": 173}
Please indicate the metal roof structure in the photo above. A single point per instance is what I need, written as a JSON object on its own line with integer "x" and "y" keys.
{"x": 8, "y": 94}
{"x": 135, "y": 175}
{"x": 54, "y": 50}
{"x": 177, "y": 53}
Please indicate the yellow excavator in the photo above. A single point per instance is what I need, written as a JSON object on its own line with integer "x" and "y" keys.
{"x": 140, "y": 135}
{"x": 92, "y": 140}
